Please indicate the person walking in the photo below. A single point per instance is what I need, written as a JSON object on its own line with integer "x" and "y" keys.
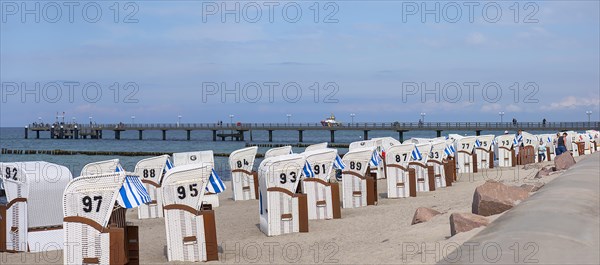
{"x": 561, "y": 146}
{"x": 542, "y": 151}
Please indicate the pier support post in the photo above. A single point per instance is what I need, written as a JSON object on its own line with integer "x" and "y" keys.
{"x": 478, "y": 132}
{"x": 214, "y": 135}
{"x": 270, "y": 135}
{"x": 164, "y": 135}
{"x": 76, "y": 133}
{"x": 117, "y": 135}
{"x": 300, "y": 135}
{"x": 26, "y": 132}
{"x": 140, "y": 134}
{"x": 332, "y": 134}
{"x": 241, "y": 138}
{"x": 189, "y": 135}
{"x": 439, "y": 133}
{"x": 61, "y": 133}
{"x": 52, "y": 132}
{"x": 37, "y": 134}
{"x": 250, "y": 131}
{"x": 366, "y": 135}
{"x": 401, "y": 136}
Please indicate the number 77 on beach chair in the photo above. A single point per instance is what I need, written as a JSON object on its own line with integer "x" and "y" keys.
{"x": 281, "y": 209}
{"x": 359, "y": 186}
{"x": 151, "y": 171}
{"x": 244, "y": 181}
{"x": 190, "y": 226}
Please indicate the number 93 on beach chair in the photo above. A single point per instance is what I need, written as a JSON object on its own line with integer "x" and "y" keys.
{"x": 281, "y": 209}
{"x": 244, "y": 181}
{"x": 322, "y": 195}
{"x": 359, "y": 186}
{"x": 95, "y": 229}
{"x": 190, "y": 225}
{"x": 151, "y": 171}
{"x": 31, "y": 206}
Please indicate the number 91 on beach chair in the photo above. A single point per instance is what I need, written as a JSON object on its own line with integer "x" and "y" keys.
{"x": 190, "y": 226}
{"x": 94, "y": 222}
{"x": 281, "y": 209}
{"x": 322, "y": 195}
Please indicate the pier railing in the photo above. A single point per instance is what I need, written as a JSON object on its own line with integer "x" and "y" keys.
{"x": 366, "y": 126}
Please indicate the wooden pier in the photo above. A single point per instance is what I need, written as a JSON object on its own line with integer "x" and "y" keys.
{"x": 237, "y": 130}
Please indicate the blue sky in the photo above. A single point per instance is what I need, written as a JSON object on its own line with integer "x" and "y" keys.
{"x": 366, "y": 61}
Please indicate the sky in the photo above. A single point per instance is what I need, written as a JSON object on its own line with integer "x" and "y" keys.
{"x": 259, "y": 61}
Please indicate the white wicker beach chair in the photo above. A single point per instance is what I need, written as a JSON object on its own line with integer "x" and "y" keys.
{"x": 424, "y": 173}
{"x": 190, "y": 225}
{"x": 244, "y": 181}
{"x": 464, "y": 154}
{"x": 484, "y": 152}
{"x": 400, "y": 183}
{"x": 151, "y": 170}
{"x": 281, "y": 209}
{"x": 318, "y": 146}
{"x": 278, "y": 151}
{"x": 101, "y": 167}
{"x": 376, "y": 143}
{"x": 322, "y": 195}
{"x": 204, "y": 158}
{"x": 31, "y": 219}
{"x": 505, "y": 151}
{"x": 436, "y": 160}
{"x": 359, "y": 186}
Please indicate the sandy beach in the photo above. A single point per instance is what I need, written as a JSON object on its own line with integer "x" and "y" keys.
{"x": 380, "y": 234}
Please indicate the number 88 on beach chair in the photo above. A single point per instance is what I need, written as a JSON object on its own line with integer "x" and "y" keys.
{"x": 151, "y": 171}
{"x": 190, "y": 227}
{"x": 323, "y": 196}
{"x": 244, "y": 181}
{"x": 359, "y": 187}
{"x": 281, "y": 209}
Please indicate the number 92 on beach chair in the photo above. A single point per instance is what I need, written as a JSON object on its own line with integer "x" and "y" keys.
{"x": 281, "y": 209}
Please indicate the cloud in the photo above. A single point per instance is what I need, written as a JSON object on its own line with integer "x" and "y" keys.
{"x": 475, "y": 39}
{"x": 572, "y": 102}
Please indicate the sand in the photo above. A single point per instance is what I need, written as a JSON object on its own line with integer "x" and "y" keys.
{"x": 374, "y": 234}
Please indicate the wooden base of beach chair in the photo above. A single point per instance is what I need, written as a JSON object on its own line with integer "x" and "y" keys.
{"x": 526, "y": 155}
{"x": 323, "y": 199}
{"x": 183, "y": 240}
{"x": 581, "y": 148}
{"x": 475, "y": 167}
{"x": 13, "y": 230}
{"x": 2, "y": 228}
{"x": 242, "y": 188}
{"x": 288, "y": 212}
{"x": 412, "y": 179}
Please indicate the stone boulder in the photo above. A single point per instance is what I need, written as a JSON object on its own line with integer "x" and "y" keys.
{"x": 545, "y": 171}
{"x": 494, "y": 197}
{"x": 423, "y": 214}
{"x": 463, "y": 222}
{"x": 564, "y": 161}
{"x": 532, "y": 187}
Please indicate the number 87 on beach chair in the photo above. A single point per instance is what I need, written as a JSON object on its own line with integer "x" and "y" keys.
{"x": 190, "y": 227}
{"x": 281, "y": 209}
{"x": 244, "y": 181}
{"x": 401, "y": 179}
{"x": 323, "y": 196}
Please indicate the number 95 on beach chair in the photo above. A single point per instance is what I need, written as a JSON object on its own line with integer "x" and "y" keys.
{"x": 359, "y": 186}
{"x": 204, "y": 158}
{"x": 244, "y": 181}
{"x": 323, "y": 196}
{"x": 281, "y": 209}
{"x": 190, "y": 227}
{"x": 95, "y": 229}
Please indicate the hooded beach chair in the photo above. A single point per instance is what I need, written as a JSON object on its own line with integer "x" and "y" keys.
{"x": 377, "y": 143}
{"x": 549, "y": 139}
{"x": 436, "y": 159}
{"x": 95, "y": 228}
{"x": 505, "y": 151}
{"x": 215, "y": 184}
{"x": 244, "y": 181}
{"x": 278, "y": 151}
{"x": 102, "y": 167}
{"x": 527, "y": 153}
{"x": 401, "y": 181}
{"x": 464, "y": 154}
{"x": 424, "y": 173}
{"x": 484, "y": 152}
{"x": 323, "y": 196}
{"x": 190, "y": 225}
{"x": 281, "y": 209}
{"x": 316, "y": 147}
{"x": 31, "y": 219}
{"x": 594, "y": 140}
{"x": 359, "y": 186}
{"x": 151, "y": 171}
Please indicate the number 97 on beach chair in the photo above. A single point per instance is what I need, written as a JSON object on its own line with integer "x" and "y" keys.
{"x": 281, "y": 209}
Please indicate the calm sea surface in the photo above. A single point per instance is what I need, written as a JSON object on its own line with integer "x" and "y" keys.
{"x": 13, "y": 138}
